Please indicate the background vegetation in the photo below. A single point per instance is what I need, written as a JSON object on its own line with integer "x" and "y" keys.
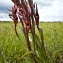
{"x": 13, "y": 50}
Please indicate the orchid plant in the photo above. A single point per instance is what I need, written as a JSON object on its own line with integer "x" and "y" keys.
{"x": 27, "y": 12}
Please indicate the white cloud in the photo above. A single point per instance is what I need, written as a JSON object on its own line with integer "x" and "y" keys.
{"x": 53, "y": 12}
{"x": 6, "y": 2}
{"x": 4, "y": 17}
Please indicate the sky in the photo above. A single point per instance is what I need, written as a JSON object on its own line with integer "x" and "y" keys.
{"x": 49, "y": 10}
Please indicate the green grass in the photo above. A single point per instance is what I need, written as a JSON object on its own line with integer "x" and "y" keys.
{"x": 11, "y": 48}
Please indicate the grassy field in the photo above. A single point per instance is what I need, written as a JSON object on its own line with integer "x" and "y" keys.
{"x": 11, "y": 47}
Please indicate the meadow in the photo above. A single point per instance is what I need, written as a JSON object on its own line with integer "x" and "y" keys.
{"x": 12, "y": 49}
